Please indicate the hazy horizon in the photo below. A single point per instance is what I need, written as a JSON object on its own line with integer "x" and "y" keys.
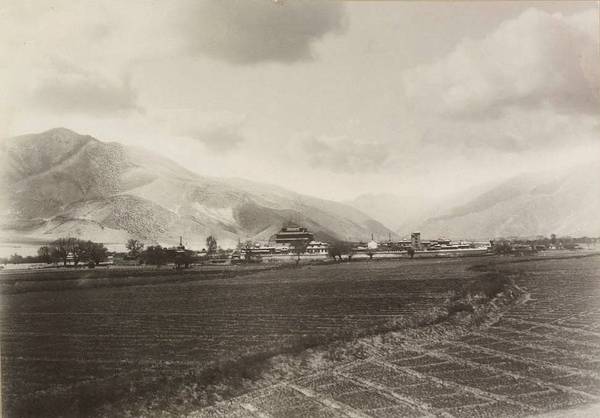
{"x": 328, "y": 99}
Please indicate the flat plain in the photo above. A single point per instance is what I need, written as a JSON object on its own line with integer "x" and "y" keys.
{"x": 69, "y": 352}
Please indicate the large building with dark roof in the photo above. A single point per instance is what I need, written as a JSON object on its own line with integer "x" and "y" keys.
{"x": 293, "y": 234}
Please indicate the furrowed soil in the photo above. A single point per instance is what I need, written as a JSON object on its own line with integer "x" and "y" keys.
{"x": 388, "y": 338}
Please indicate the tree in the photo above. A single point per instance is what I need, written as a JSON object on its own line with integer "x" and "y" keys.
{"x": 298, "y": 248}
{"x": 78, "y": 248}
{"x": 503, "y": 247}
{"x": 350, "y": 254}
{"x": 135, "y": 247}
{"x": 335, "y": 250}
{"x": 340, "y": 248}
{"x": 45, "y": 254}
{"x": 154, "y": 255}
{"x": 54, "y": 255}
{"x": 211, "y": 245}
{"x": 94, "y": 252}
{"x": 181, "y": 258}
{"x": 15, "y": 259}
{"x": 61, "y": 249}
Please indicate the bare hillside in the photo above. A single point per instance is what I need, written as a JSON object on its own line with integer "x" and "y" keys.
{"x": 59, "y": 183}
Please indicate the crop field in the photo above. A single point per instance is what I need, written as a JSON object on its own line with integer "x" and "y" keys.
{"x": 64, "y": 352}
{"x": 542, "y": 355}
{"x": 69, "y": 352}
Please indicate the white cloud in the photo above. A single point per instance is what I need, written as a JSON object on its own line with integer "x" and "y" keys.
{"x": 533, "y": 60}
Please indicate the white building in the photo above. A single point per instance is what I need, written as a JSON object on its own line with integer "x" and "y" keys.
{"x": 317, "y": 247}
{"x": 372, "y": 245}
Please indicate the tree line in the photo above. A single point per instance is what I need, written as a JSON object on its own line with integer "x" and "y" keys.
{"x": 79, "y": 252}
{"x": 158, "y": 255}
{"x": 512, "y": 245}
{"x": 76, "y": 250}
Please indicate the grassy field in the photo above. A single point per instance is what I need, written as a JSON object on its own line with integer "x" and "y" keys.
{"x": 80, "y": 351}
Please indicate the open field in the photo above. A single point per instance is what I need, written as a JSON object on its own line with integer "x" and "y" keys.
{"x": 58, "y": 345}
{"x": 72, "y": 351}
{"x": 54, "y": 279}
{"x": 542, "y": 355}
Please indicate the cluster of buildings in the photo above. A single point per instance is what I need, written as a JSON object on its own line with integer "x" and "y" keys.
{"x": 294, "y": 242}
{"x": 440, "y": 244}
{"x": 291, "y": 240}
{"x": 297, "y": 241}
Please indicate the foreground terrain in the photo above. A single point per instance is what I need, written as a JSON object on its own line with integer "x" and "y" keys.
{"x": 542, "y": 355}
{"x": 157, "y": 349}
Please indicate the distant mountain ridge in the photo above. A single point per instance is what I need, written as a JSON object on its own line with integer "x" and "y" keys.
{"x": 59, "y": 183}
{"x": 565, "y": 202}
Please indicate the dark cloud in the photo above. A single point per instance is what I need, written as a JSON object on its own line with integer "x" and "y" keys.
{"x": 252, "y": 31}
{"x": 345, "y": 155}
{"x": 83, "y": 92}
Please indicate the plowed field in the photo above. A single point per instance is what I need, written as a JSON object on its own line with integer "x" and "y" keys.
{"x": 68, "y": 352}
{"x": 542, "y": 355}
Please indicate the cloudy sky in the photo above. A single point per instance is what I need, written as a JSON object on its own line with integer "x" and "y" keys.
{"x": 330, "y": 99}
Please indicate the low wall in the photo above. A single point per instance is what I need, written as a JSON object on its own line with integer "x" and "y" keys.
{"x": 292, "y": 258}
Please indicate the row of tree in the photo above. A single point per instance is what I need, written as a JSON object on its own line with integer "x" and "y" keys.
{"x": 518, "y": 245}
{"x": 136, "y": 247}
{"x": 64, "y": 250}
{"x": 19, "y": 259}
{"x": 157, "y": 255}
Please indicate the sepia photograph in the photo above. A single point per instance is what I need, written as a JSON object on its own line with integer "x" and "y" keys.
{"x": 299, "y": 208}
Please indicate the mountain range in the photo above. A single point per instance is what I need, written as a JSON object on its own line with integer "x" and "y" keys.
{"x": 60, "y": 183}
{"x": 562, "y": 202}
{"x": 559, "y": 201}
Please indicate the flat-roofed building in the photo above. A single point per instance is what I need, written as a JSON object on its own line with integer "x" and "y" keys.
{"x": 317, "y": 247}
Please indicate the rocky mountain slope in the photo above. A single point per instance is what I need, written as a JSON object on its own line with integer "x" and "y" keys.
{"x": 60, "y": 183}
